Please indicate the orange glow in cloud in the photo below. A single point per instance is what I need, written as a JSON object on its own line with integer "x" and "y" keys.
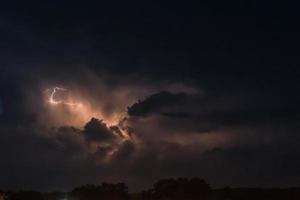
{"x": 66, "y": 108}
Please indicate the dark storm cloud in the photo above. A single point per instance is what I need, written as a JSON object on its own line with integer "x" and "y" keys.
{"x": 261, "y": 161}
{"x": 57, "y": 157}
{"x": 96, "y": 130}
{"x": 220, "y": 110}
{"x": 33, "y": 156}
{"x": 155, "y": 103}
{"x": 125, "y": 152}
{"x": 249, "y": 157}
{"x": 238, "y": 130}
{"x": 240, "y": 58}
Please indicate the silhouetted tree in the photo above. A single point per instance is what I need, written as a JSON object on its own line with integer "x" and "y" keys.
{"x": 27, "y": 195}
{"x": 55, "y": 196}
{"x": 114, "y": 191}
{"x": 226, "y": 194}
{"x": 147, "y": 195}
{"x": 110, "y": 191}
{"x": 198, "y": 188}
{"x": 87, "y": 192}
{"x": 181, "y": 189}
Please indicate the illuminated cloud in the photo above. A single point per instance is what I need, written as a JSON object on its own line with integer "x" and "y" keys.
{"x": 52, "y": 99}
{"x": 206, "y": 90}
{"x": 66, "y": 107}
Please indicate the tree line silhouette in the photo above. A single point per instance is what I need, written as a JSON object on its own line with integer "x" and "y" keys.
{"x": 166, "y": 189}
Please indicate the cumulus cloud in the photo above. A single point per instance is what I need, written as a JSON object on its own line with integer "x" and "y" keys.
{"x": 208, "y": 136}
{"x": 161, "y": 99}
{"x": 96, "y": 130}
{"x": 139, "y": 133}
{"x": 209, "y": 112}
{"x": 59, "y": 153}
{"x": 156, "y": 102}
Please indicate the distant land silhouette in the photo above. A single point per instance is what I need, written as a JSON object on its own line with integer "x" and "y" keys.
{"x": 165, "y": 189}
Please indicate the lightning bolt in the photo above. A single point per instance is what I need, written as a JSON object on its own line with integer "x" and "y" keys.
{"x": 52, "y": 100}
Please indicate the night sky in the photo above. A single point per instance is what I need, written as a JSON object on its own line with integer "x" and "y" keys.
{"x": 139, "y": 91}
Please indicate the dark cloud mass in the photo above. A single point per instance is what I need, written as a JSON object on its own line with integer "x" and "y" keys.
{"x": 151, "y": 91}
{"x": 96, "y": 130}
{"x": 155, "y": 102}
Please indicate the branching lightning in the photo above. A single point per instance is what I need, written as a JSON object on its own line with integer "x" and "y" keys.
{"x": 53, "y": 101}
{"x": 79, "y": 113}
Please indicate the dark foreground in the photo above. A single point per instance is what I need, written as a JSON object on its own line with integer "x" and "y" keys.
{"x": 167, "y": 189}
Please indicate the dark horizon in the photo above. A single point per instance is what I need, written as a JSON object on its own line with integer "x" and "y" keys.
{"x": 130, "y": 191}
{"x": 138, "y": 91}
{"x": 175, "y": 189}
